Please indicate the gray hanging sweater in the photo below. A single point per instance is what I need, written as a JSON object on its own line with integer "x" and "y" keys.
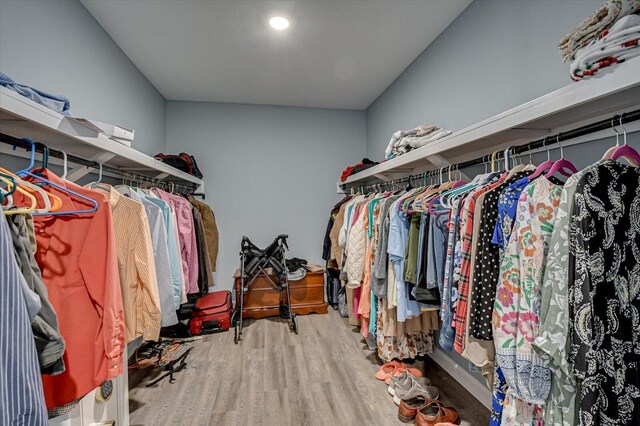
{"x": 380, "y": 262}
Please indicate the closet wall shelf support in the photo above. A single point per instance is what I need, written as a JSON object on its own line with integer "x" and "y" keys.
{"x": 81, "y": 171}
{"x": 21, "y": 117}
{"x": 439, "y": 161}
{"x": 584, "y": 101}
{"x": 382, "y": 176}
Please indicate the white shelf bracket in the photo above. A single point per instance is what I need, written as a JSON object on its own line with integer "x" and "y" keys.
{"x": 81, "y": 171}
{"x": 162, "y": 176}
{"x": 439, "y": 161}
{"x": 382, "y": 177}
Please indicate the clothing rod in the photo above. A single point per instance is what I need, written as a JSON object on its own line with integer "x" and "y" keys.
{"x": 615, "y": 121}
{"x": 39, "y": 147}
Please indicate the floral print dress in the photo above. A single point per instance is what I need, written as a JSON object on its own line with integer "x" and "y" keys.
{"x": 517, "y": 304}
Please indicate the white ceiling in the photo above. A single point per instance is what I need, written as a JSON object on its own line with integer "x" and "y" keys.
{"x": 336, "y": 53}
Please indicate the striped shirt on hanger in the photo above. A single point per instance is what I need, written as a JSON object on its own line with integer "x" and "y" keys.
{"x": 21, "y": 395}
{"x": 161, "y": 254}
{"x": 136, "y": 266}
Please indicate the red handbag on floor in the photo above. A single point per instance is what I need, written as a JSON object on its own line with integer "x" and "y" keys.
{"x": 212, "y": 313}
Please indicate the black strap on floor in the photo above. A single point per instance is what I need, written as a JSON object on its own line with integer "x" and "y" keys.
{"x": 171, "y": 368}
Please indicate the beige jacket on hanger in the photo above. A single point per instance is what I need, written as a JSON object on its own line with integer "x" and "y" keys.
{"x": 356, "y": 248}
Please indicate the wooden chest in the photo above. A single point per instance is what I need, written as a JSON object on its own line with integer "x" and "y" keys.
{"x": 263, "y": 300}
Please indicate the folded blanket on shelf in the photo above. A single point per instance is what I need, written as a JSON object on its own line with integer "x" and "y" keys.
{"x": 404, "y": 141}
{"x": 57, "y": 103}
{"x": 616, "y": 45}
{"x": 591, "y": 28}
{"x": 417, "y": 142}
{"x": 419, "y": 131}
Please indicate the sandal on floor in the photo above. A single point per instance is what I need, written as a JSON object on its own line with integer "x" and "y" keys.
{"x": 388, "y": 369}
{"x": 413, "y": 371}
{"x": 434, "y": 412}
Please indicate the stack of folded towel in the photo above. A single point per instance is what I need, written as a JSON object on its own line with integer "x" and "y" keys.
{"x": 609, "y": 36}
{"x": 615, "y": 45}
{"x": 591, "y": 28}
{"x": 404, "y": 141}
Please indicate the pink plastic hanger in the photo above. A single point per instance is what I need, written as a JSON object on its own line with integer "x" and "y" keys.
{"x": 564, "y": 166}
{"x": 625, "y": 151}
{"x": 544, "y": 166}
{"x": 607, "y": 155}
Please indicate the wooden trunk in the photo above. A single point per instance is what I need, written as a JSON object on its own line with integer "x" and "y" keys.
{"x": 263, "y": 300}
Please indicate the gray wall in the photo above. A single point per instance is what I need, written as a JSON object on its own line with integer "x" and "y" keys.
{"x": 496, "y": 55}
{"x": 267, "y": 170}
{"x": 57, "y": 46}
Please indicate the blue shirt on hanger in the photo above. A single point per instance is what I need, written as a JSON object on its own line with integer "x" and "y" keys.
{"x": 397, "y": 245}
{"x": 172, "y": 244}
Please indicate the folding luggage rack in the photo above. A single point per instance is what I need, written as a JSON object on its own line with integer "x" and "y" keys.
{"x": 254, "y": 263}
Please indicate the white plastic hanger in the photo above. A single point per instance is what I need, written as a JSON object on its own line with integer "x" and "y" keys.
{"x": 97, "y": 184}
{"x": 64, "y": 165}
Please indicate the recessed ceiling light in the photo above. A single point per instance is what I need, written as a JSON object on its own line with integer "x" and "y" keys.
{"x": 279, "y": 23}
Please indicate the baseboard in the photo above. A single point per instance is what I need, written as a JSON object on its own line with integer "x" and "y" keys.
{"x": 462, "y": 376}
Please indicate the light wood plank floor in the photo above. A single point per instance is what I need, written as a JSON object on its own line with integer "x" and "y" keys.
{"x": 323, "y": 376}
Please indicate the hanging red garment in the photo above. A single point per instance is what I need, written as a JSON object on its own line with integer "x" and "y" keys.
{"x": 77, "y": 256}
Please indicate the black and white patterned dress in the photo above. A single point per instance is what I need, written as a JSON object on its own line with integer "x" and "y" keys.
{"x": 604, "y": 294}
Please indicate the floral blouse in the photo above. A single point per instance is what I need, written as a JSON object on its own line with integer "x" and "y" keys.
{"x": 604, "y": 294}
{"x": 517, "y": 304}
{"x": 507, "y": 205}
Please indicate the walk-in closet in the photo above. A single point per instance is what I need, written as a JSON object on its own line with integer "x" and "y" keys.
{"x": 319, "y": 212}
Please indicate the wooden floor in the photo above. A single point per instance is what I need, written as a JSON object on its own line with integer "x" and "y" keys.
{"x": 323, "y": 376}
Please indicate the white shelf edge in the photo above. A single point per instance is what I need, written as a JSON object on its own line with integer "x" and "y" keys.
{"x": 570, "y": 96}
{"x": 25, "y": 109}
